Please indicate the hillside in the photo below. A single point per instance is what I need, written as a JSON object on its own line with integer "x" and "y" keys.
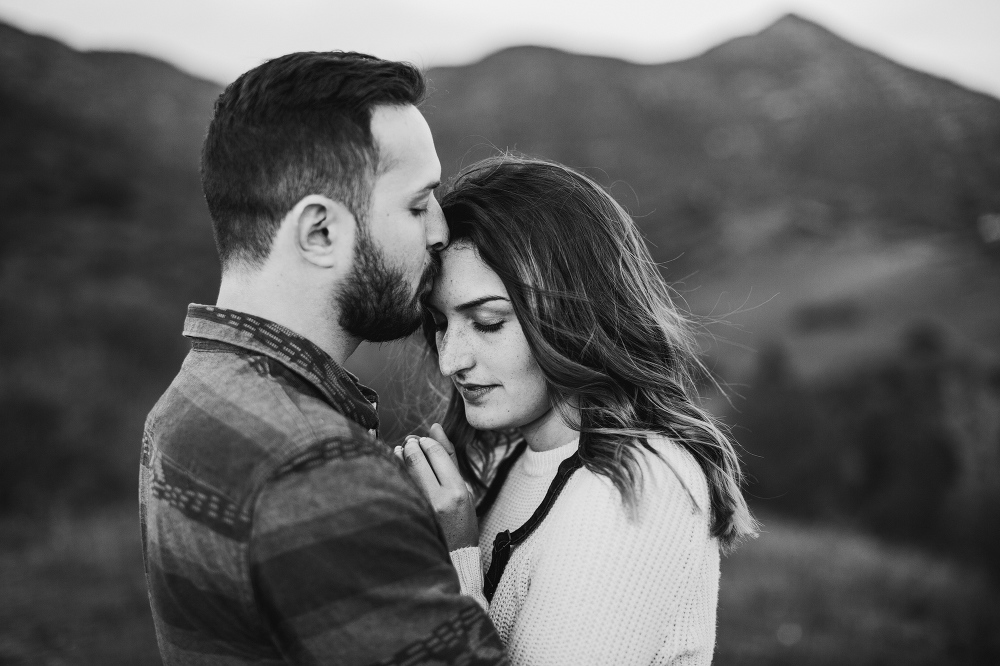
{"x": 150, "y": 103}
{"x": 780, "y": 171}
{"x": 842, "y": 135}
{"x": 103, "y": 238}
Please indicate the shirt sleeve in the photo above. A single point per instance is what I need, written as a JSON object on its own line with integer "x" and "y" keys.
{"x": 607, "y": 588}
{"x": 349, "y": 566}
{"x": 468, "y": 565}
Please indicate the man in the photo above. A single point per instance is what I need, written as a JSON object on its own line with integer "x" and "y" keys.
{"x": 276, "y": 527}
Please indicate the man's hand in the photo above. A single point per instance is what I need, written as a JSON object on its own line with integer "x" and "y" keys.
{"x": 431, "y": 463}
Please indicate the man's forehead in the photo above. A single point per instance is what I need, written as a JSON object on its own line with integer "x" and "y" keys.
{"x": 403, "y": 139}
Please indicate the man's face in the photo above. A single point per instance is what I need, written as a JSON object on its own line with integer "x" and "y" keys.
{"x": 395, "y": 256}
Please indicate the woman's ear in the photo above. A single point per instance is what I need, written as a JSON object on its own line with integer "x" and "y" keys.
{"x": 324, "y": 231}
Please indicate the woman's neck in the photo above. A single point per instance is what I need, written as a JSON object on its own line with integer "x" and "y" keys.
{"x": 548, "y": 432}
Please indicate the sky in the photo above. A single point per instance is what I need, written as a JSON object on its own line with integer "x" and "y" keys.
{"x": 219, "y": 39}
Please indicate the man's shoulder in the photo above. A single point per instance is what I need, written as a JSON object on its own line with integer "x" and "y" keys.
{"x": 231, "y": 420}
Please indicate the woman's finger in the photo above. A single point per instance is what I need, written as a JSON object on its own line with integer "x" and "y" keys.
{"x": 418, "y": 466}
{"x": 444, "y": 467}
{"x": 437, "y": 432}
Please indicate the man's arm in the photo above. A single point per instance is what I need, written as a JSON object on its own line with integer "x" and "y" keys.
{"x": 350, "y": 567}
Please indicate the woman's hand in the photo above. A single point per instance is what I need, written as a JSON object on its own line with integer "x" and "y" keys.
{"x": 431, "y": 463}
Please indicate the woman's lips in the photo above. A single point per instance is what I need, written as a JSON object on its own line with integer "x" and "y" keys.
{"x": 475, "y": 392}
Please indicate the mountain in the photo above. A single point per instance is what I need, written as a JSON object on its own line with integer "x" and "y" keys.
{"x": 829, "y": 194}
{"x": 793, "y": 113}
{"x": 141, "y": 99}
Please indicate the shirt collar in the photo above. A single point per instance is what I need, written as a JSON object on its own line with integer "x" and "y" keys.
{"x": 341, "y": 388}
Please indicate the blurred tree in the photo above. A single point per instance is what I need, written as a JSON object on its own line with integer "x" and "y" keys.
{"x": 908, "y": 447}
{"x": 778, "y": 427}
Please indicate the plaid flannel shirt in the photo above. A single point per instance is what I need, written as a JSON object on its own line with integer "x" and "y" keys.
{"x": 276, "y": 528}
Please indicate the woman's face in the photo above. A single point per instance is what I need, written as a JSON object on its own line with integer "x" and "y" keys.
{"x": 481, "y": 346}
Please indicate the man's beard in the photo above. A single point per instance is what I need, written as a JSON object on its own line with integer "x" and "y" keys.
{"x": 376, "y": 303}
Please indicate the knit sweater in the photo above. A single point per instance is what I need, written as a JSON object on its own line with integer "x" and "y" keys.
{"x": 596, "y": 584}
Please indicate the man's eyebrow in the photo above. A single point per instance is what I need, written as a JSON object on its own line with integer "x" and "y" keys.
{"x": 479, "y": 301}
{"x": 425, "y": 190}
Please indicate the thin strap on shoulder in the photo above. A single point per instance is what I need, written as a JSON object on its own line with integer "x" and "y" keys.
{"x": 503, "y": 470}
{"x": 504, "y": 543}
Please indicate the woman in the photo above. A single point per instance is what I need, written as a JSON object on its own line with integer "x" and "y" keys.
{"x": 599, "y": 534}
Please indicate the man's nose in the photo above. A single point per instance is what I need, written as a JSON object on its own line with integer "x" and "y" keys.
{"x": 454, "y": 356}
{"x": 437, "y": 228}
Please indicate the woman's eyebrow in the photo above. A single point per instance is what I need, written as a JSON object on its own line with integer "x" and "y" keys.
{"x": 479, "y": 301}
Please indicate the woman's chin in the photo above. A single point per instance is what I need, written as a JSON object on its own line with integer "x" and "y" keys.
{"x": 482, "y": 419}
{"x": 487, "y": 424}
{"x": 507, "y": 416}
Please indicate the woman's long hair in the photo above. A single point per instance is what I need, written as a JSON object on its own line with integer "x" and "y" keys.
{"x": 601, "y": 324}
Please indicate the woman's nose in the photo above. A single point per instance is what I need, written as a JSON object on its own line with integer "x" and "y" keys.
{"x": 454, "y": 355}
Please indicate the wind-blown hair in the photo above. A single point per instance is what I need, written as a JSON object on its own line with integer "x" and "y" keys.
{"x": 294, "y": 126}
{"x": 601, "y": 323}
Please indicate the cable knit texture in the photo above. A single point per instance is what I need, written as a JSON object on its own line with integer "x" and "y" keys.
{"x": 595, "y": 584}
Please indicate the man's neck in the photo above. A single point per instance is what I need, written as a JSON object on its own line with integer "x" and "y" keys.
{"x": 277, "y": 298}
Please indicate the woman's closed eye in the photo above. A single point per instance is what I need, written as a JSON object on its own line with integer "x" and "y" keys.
{"x": 488, "y": 327}
{"x": 440, "y": 325}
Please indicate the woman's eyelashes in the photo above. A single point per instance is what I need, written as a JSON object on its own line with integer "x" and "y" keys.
{"x": 482, "y": 327}
{"x": 491, "y": 327}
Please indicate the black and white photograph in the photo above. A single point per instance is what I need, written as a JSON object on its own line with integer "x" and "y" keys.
{"x": 536, "y": 333}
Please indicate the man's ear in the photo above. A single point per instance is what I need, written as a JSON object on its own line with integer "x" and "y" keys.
{"x": 324, "y": 230}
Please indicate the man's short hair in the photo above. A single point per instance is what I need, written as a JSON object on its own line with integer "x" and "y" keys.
{"x": 296, "y": 125}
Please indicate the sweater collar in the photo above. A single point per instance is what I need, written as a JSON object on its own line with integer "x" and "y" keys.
{"x": 545, "y": 463}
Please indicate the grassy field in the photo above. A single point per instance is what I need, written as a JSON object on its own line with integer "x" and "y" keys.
{"x": 807, "y": 595}
{"x": 73, "y": 593}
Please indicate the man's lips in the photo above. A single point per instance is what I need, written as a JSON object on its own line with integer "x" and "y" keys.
{"x": 432, "y": 270}
{"x": 427, "y": 278}
{"x": 475, "y": 392}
